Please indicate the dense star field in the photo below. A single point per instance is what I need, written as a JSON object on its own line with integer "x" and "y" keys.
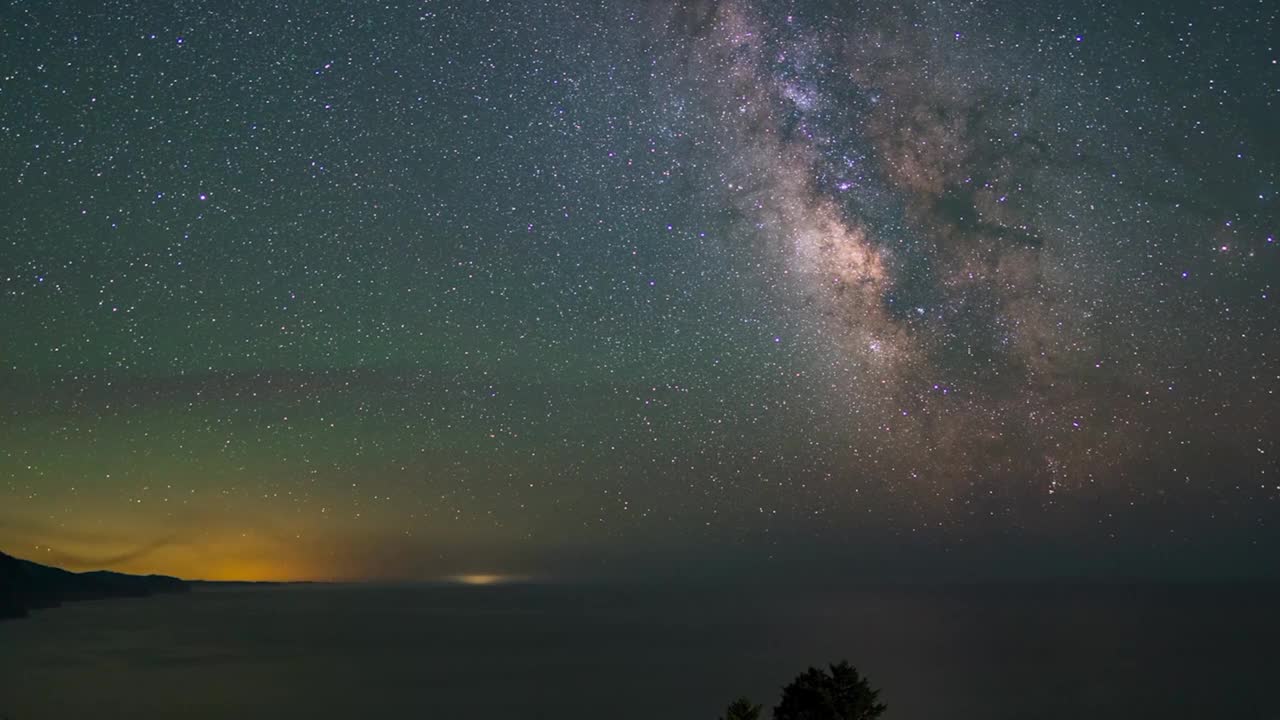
{"x": 582, "y": 289}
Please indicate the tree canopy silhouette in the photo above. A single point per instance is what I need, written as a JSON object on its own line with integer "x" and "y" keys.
{"x": 841, "y": 694}
{"x": 742, "y": 709}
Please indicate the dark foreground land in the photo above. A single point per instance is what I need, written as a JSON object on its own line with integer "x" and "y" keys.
{"x": 26, "y": 586}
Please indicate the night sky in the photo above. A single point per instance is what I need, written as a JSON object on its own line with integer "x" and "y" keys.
{"x": 641, "y": 289}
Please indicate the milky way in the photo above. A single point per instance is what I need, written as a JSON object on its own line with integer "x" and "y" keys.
{"x": 925, "y": 194}
{"x": 460, "y": 288}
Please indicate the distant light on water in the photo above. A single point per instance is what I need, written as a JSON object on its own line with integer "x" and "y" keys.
{"x": 484, "y": 579}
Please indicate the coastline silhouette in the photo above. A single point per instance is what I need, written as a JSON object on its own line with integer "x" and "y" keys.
{"x": 27, "y": 586}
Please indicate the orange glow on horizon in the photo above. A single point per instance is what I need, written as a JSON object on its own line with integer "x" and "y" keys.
{"x": 201, "y": 566}
{"x": 221, "y": 559}
{"x": 213, "y": 551}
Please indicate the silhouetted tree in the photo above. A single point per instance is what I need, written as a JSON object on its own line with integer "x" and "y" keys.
{"x": 742, "y": 709}
{"x": 842, "y": 694}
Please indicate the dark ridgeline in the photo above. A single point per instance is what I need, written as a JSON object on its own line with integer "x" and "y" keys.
{"x": 25, "y": 586}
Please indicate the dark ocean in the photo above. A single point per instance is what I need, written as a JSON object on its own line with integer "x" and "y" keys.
{"x": 983, "y": 652}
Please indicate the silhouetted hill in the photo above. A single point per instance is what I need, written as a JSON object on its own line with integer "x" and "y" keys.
{"x": 25, "y": 585}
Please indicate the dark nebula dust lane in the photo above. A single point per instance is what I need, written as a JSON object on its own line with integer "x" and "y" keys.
{"x": 983, "y": 239}
{"x": 598, "y": 288}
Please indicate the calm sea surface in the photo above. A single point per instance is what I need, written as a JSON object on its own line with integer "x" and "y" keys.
{"x": 981, "y": 652}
